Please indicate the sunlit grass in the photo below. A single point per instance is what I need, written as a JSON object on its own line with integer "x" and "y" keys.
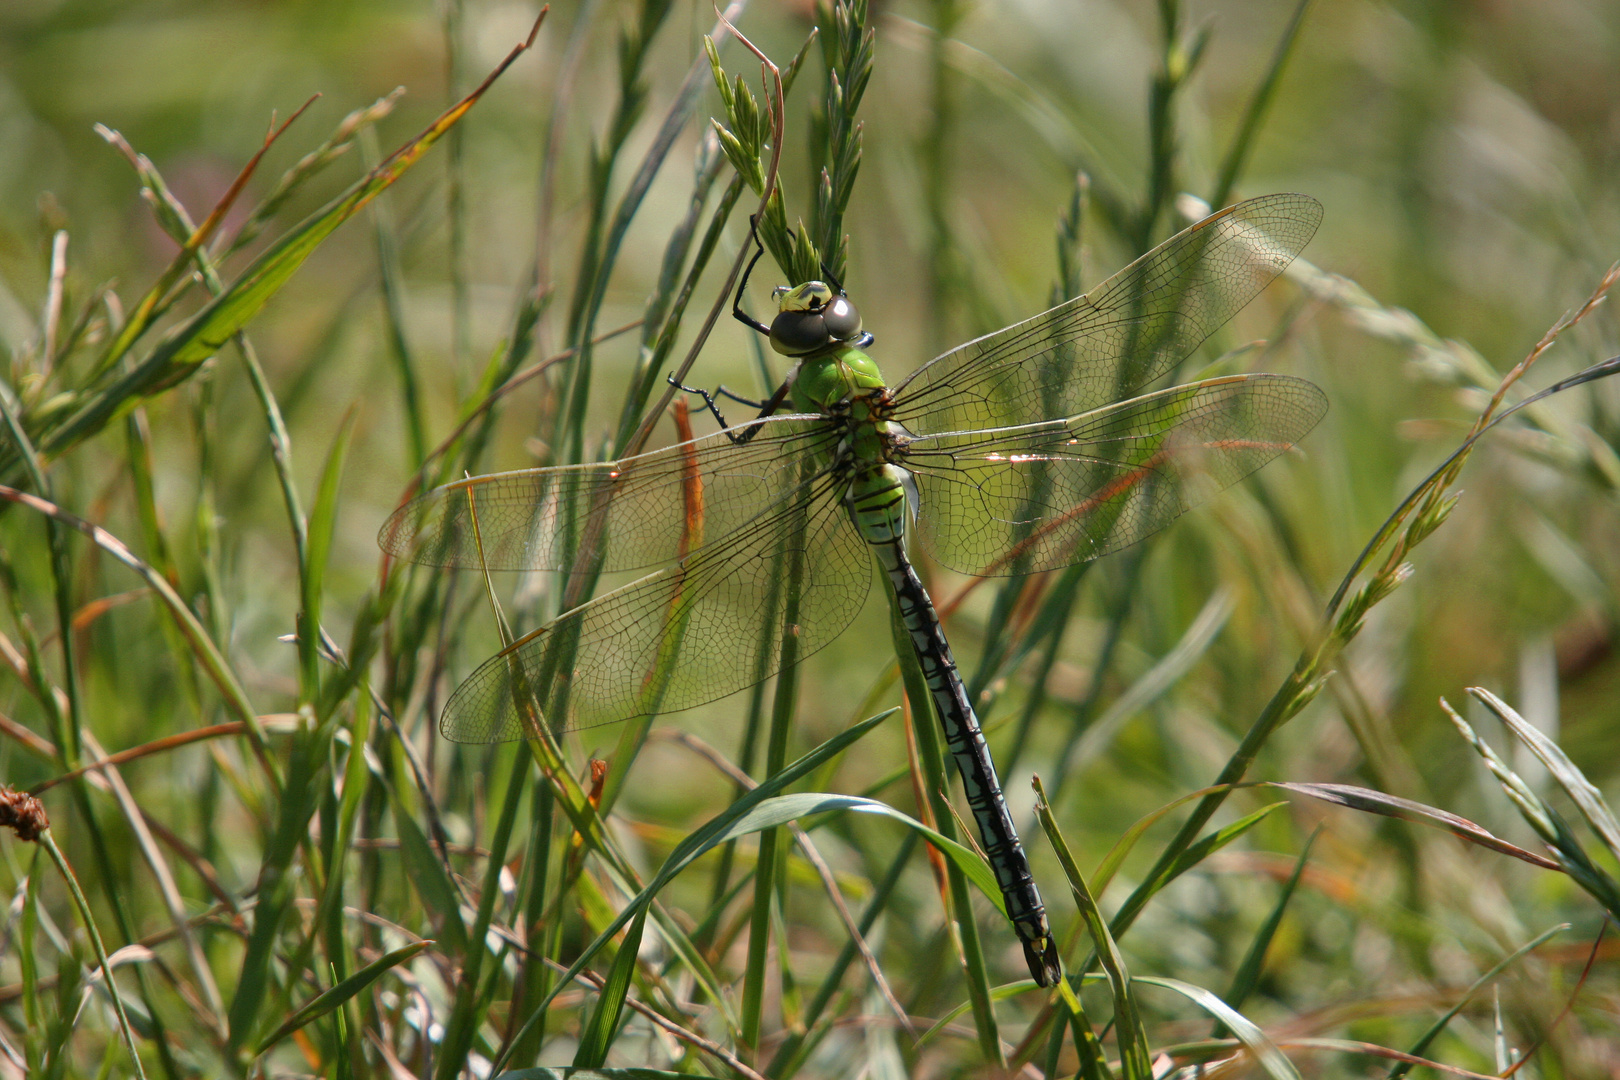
{"x": 212, "y": 404}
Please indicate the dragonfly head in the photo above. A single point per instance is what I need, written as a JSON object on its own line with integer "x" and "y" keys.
{"x": 811, "y": 317}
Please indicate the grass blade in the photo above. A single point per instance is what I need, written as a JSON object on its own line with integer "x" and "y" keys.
{"x": 1247, "y": 975}
{"x": 468, "y": 1006}
{"x": 181, "y": 353}
{"x": 328, "y": 1000}
{"x": 1237, "y": 155}
{"x": 48, "y": 842}
{"x": 1135, "y": 1061}
{"x": 703, "y": 839}
{"x": 1581, "y": 791}
{"x": 592, "y": 1074}
{"x": 203, "y": 645}
{"x": 1376, "y": 802}
{"x": 937, "y": 785}
{"x": 600, "y": 1029}
{"x": 1440, "y": 1025}
{"x": 1271, "y": 1059}
{"x": 433, "y": 884}
{"x": 322, "y": 522}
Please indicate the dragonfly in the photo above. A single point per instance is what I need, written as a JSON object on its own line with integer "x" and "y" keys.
{"x": 1029, "y": 449}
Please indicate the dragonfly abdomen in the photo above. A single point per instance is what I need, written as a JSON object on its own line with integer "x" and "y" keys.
{"x": 877, "y": 503}
{"x": 972, "y": 756}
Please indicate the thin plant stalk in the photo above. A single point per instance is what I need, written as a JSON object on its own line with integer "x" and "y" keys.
{"x": 48, "y": 842}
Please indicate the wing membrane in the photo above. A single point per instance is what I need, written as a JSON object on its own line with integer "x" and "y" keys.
{"x": 693, "y": 632}
{"x": 532, "y": 519}
{"x": 1128, "y": 331}
{"x": 1039, "y": 496}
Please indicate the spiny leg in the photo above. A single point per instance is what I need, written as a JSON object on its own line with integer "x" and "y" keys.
{"x": 736, "y": 302}
{"x": 774, "y": 402}
{"x": 766, "y": 408}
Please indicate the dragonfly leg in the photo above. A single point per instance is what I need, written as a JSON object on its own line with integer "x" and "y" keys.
{"x": 721, "y": 391}
{"x": 766, "y": 408}
{"x": 832, "y": 278}
{"x": 708, "y": 399}
{"x": 736, "y": 302}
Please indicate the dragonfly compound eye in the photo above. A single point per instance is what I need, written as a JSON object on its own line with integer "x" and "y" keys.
{"x": 842, "y": 320}
{"x": 795, "y": 333}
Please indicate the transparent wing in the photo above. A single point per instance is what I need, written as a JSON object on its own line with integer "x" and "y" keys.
{"x": 1030, "y": 498}
{"x": 693, "y": 632}
{"x": 533, "y": 518}
{"x": 1110, "y": 343}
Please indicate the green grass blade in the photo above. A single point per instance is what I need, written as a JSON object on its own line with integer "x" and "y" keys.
{"x": 534, "y": 975}
{"x": 703, "y": 839}
{"x": 1582, "y": 792}
{"x": 1237, "y": 155}
{"x": 1173, "y": 862}
{"x": 675, "y": 121}
{"x": 172, "y": 217}
{"x": 1200, "y": 635}
{"x": 1271, "y": 1059}
{"x": 1135, "y": 1061}
{"x": 432, "y": 883}
{"x": 1247, "y": 976}
{"x": 1547, "y": 822}
{"x": 138, "y": 455}
{"x": 657, "y": 348}
{"x": 277, "y": 890}
{"x": 338, "y": 821}
{"x": 202, "y": 644}
{"x": 763, "y": 814}
{"x": 600, "y": 1029}
{"x": 322, "y": 523}
{"x": 280, "y": 445}
{"x": 1417, "y": 1049}
{"x": 1087, "y": 1046}
{"x": 455, "y": 197}
{"x": 1216, "y": 840}
{"x": 592, "y": 1074}
{"x": 390, "y": 281}
{"x": 772, "y": 843}
{"x": 28, "y": 968}
{"x": 87, "y": 917}
{"x": 468, "y": 1008}
{"x": 331, "y": 999}
{"x": 799, "y": 1044}
{"x": 183, "y": 351}
{"x": 358, "y": 123}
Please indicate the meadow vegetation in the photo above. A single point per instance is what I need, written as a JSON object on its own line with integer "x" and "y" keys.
{"x": 1321, "y": 767}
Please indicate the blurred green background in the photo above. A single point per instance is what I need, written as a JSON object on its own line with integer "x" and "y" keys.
{"x": 1466, "y": 155}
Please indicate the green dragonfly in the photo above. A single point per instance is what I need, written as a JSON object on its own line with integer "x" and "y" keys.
{"x": 1025, "y": 450}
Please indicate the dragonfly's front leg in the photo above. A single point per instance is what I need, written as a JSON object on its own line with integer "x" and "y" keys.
{"x": 766, "y": 408}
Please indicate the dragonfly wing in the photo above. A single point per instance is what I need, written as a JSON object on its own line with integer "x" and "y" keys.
{"x": 1119, "y": 337}
{"x": 693, "y": 632}
{"x": 631, "y": 509}
{"x": 1039, "y": 496}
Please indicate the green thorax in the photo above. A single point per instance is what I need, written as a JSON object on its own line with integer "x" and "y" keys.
{"x": 842, "y": 373}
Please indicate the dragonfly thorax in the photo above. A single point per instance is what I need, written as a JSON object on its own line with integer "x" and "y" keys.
{"x": 844, "y": 373}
